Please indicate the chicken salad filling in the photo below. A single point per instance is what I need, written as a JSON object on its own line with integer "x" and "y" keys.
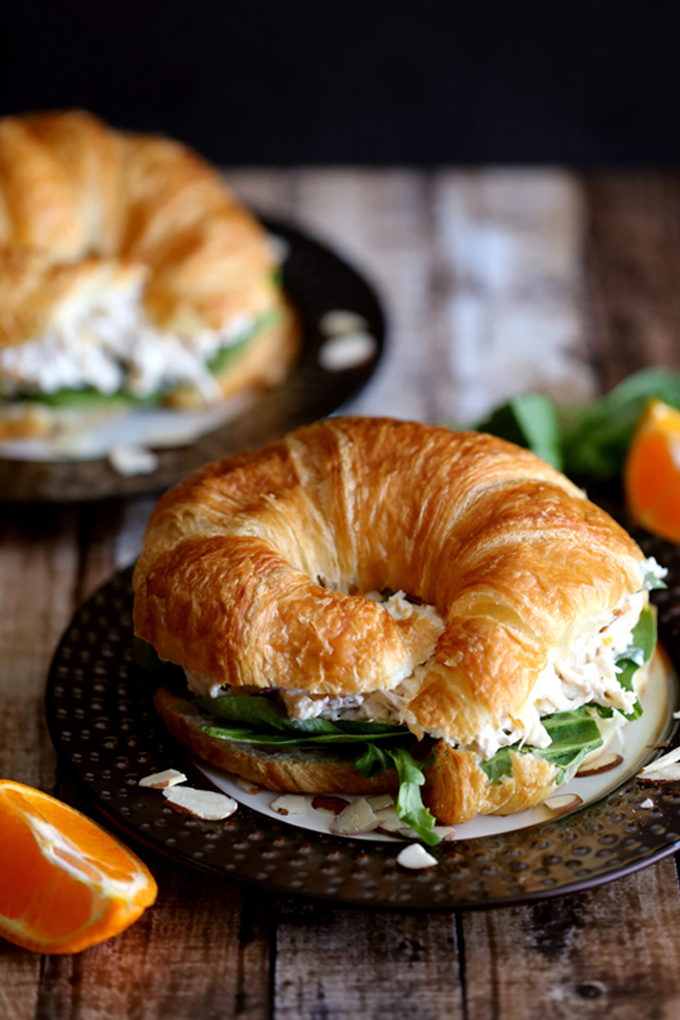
{"x": 577, "y": 701}
{"x": 111, "y": 349}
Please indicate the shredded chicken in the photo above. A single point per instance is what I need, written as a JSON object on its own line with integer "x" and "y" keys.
{"x": 112, "y": 346}
{"x": 587, "y": 673}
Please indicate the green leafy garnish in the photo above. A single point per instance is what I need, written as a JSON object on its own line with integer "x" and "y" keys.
{"x": 88, "y": 397}
{"x": 586, "y": 441}
{"x": 575, "y": 734}
{"x": 258, "y": 719}
{"x": 410, "y": 807}
{"x": 651, "y": 582}
{"x": 638, "y": 652}
{"x": 529, "y": 419}
{"x": 269, "y": 723}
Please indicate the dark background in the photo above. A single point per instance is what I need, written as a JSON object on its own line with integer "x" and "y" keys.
{"x": 258, "y": 81}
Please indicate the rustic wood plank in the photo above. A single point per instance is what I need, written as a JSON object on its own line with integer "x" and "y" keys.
{"x": 344, "y": 964}
{"x": 39, "y": 557}
{"x": 379, "y": 221}
{"x": 201, "y": 952}
{"x": 611, "y": 952}
{"x": 269, "y": 192}
{"x": 507, "y": 292}
{"x": 38, "y": 567}
{"x": 203, "y": 948}
{"x": 633, "y": 270}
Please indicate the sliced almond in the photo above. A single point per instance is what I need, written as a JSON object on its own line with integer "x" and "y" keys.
{"x": 162, "y": 780}
{"x": 340, "y": 321}
{"x": 342, "y": 352}
{"x": 357, "y": 817}
{"x": 665, "y": 769}
{"x": 332, "y": 805}
{"x": 388, "y": 820}
{"x": 669, "y": 773}
{"x": 599, "y": 765}
{"x": 562, "y": 803}
{"x": 289, "y": 804}
{"x": 445, "y": 832}
{"x": 381, "y": 801}
{"x": 247, "y": 786}
{"x": 212, "y": 807}
{"x": 132, "y": 460}
{"x": 415, "y": 856}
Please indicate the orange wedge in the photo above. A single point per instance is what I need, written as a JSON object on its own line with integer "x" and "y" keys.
{"x": 65, "y": 883}
{"x": 651, "y": 474}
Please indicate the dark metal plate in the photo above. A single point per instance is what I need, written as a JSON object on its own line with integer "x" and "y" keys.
{"x": 103, "y": 723}
{"x": 316, "y": 280}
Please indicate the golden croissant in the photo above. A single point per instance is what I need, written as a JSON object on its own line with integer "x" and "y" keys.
{"x": 447, "y": 583}
{"x": 128, "y": 271}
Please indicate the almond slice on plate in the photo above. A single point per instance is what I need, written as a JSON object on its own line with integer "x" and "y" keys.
{"x": 162, "y": 780}
{"x": 389, "y": 821}
{"x": 665, "y": 769}
{"x": 562, "y": 803}
{"x": 212, "y": 807}
{"x": 357, "y": 817}
{"x": 340, "y": 321}
{"x": 599, "y": 765}
{"x": 445, "y": 832}
{"x": 289, "y": 804}
{"x": 415, "y": 856}
{"x": 331, "y": 805}
{"x": 247, "y": 786}
{"x": 380, "y": 801}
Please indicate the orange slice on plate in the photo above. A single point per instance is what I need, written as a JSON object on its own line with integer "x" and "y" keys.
{"x": 65, "y": 883}
{"x": 651, "y": 474}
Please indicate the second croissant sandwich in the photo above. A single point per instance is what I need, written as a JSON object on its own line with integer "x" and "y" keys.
{"x": 372, "y": 604}
{"x": 130, "y": 276}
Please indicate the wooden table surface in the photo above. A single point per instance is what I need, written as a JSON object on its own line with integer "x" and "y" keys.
{"x": 495, "y": 281}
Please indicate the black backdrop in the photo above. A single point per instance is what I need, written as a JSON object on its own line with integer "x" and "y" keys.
{"x": 260, "y": 81}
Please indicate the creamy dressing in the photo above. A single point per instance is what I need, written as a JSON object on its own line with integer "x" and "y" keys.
{"x": 112, "y": 346}
{"x": 587, "y": 673}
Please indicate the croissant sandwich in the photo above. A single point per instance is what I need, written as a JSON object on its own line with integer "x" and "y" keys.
{"x": 129, "y": 274}
{"x": 374, "y": 605}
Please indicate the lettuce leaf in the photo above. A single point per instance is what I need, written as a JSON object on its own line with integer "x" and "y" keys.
{"x": 410, "y": 808}
{"x": 575, "y": 734}
{"x": 264, "y": 716}
{"x": 586, "y": 441}
{"x": 528, "y": 419}
{"x": 638, "y": 652}
{"x": 259, "y": 720}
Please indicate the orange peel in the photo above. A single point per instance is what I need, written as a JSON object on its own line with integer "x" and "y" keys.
{"x": 65, "y": 883}
{"x": 651, "y": 475}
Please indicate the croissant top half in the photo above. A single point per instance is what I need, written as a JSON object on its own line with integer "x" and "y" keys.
{"x": 248, "y": 565}
{"x": 84, "y": 208}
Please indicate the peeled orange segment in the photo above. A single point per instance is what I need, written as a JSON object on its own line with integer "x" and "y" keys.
{"x": 65, "y": 883}
{"x": 652, "y": 471}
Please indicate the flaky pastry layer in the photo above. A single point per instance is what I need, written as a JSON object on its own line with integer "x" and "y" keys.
{"x": 81, "y": 205}
{"x": 248, "y": 564}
